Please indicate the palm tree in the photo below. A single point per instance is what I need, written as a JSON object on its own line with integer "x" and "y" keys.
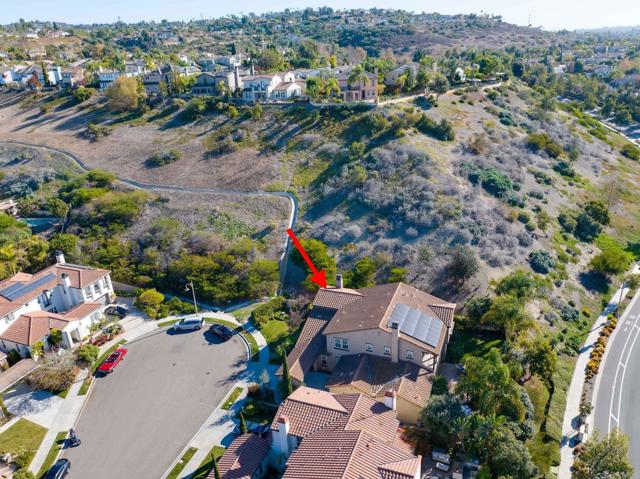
{"x": 357, "y": 75}
{"x": 11, "y": 257}
{"x": 331, "y": 86}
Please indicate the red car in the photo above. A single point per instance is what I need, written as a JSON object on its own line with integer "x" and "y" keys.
{"x": 112, "y": 361}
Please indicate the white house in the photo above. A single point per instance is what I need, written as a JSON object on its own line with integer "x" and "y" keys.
{"x": 286, "y": 90}
{"x": 64, "y": 296}
{"x": 393, "y": 77}
{"x": 261, "y": 87}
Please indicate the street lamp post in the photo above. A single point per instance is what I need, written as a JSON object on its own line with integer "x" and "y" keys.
{"x": 193, "y": 291}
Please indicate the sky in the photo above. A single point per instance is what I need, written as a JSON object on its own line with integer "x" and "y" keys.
{"x": 550, "y": 14}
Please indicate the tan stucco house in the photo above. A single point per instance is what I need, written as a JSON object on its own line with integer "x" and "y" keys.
{"x": 391, "y": 336}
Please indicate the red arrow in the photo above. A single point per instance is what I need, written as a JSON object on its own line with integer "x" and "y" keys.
{"x": 318, "y": 277}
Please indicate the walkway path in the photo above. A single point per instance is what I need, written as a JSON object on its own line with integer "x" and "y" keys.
{"x": 293, "y": 215}
{"x": 570, "y": 423}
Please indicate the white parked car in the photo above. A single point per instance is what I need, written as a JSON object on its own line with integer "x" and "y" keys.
{"x": 189, "y": 323}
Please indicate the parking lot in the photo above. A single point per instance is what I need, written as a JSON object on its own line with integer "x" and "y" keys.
{"x": 139, "y": 418}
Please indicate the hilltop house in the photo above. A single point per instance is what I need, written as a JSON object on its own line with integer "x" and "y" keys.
{"x": 72, "y": 77}
{"x": 155, "y": 78}
{"x": 389, "y": 336}
{"x": 362, "y": 89}
{"x": 317, "y": 434}
{"x": 261, "y": 87}
{"x": 64, "y": 296}
{"x": 393, "y": 77}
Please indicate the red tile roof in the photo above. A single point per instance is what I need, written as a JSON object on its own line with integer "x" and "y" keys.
{"x": 30, "y": 328}
{"x": 243, "y": 457}
{"x": 82, "y": 310}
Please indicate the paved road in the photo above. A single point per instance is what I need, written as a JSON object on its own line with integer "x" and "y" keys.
{"x": 617, "y": 400}
{"x": 138, "y": 419}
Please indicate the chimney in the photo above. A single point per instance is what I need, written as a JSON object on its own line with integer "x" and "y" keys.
{"x": 60, "y": 257}
{"x": 339, "y": 282}
{"x": 66, "y": 281}
{"x": 236, "y": 77}
{"x": 395, "y": 342}
{"x": 281, "y": 439}
{"x": 390, "y": 399}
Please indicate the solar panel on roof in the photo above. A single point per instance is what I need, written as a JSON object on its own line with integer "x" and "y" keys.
{"x": 418, "y": 325}
{"x": 17, "y": 290}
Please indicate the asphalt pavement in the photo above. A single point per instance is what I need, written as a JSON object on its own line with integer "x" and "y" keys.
{"x": 140, "y": 417}
{"x": 617, "y": 400}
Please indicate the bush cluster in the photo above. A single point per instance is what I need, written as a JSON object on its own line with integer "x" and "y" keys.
{"x": 593, "y": 366}
{"x": 442, "y": 131}
{"x": 162, "y": 158}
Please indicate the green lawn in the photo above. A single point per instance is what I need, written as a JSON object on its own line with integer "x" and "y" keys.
{"x": 52, "y": 454}
{"x": 466, "y": 343}
{"x": 233, "y": 397}
{"x": 207, "y": 463}
{"x": 255, "y": 351}
{"x": 87, "y": 382}
{"x": 181, "y": 464}
{"x": 244, "y": 313}
{"x": 22, "y": 436}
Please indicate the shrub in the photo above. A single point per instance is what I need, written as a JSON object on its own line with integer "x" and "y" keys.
{"x": 87, "y": 353}
{"x": 23, "y": 474}
{"x": 163, "y": 158}
{"x": 611, "y": 261}
{"x": 82, "y": 94}
{"x": 95, "y": 132}
{"x": 269, "y": 310}
{"x": 541, "y": 261}
{"x": 55, "y": 375}
{"x": 440, "y": 385}
{"x": 13, "y": 357}
{"x": 442, "y": 131}
{"x": 568, "y": 313}
{"x": 195, "y": 108}
{"x": 149, "y": 301}
{"x": 630, "y": 151}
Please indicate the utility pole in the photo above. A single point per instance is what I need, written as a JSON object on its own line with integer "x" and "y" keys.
{"x": 193, "y": 291}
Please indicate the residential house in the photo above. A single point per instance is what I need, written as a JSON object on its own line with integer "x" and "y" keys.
{"x": 107, "y": 77}
{"x": 132, "y": 69}
{"x": 393, "y": 77}
{"x": 287, "y": 90}
{"x": 363, "y": 89}
{"x": 318, "y": 434}
{"x": 35, "y": 53}
{"x": 71, "y": 77}
{"x": 230, "y": 61}
{"x": 154, "y": 79}
{"x": 64, "y": 296}
{"x": 9, "y": 207}
{"x": 207, "y": 83}
{"x": 187, "y": 71}
{"x": 260, "y": 87}
{"x": 390, "y": 336}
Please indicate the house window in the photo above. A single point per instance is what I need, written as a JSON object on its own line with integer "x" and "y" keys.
{"x": 387, "y": 350}
{"x": 409, "y": 354}
{"x": 369, "y": 347}
{"x": 340, "y": 343}
{"x": 87, "y": 292}
{"x": 323, "y": 360}
{"x": 46, "y": 298}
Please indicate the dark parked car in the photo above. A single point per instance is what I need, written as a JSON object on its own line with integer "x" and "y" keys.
{"x": 119, "y": 311}
{"x": 59, "y": 470}
{"x": 221, "y": 331}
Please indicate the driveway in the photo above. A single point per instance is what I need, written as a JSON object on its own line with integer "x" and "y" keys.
{"x": 139, "y": 418}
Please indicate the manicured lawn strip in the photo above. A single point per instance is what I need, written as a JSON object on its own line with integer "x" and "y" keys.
{"x": 87, "y": 382}
{"x": 244, "y": 313}
{"x": 466, "y": 343}
{"x": 22, "y": 436}
{"x": 207, "y": 463}
{"x": 180, "y": 465}
{"x": 255, "y": 351}
{"x": 167, "y": 323}
{"x": 52, "y": 454}
{"x": 233, "y": 397}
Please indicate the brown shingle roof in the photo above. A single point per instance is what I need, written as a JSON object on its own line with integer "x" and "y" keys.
{"x": 243, "y": 457}
{"x": 374, "y": 374}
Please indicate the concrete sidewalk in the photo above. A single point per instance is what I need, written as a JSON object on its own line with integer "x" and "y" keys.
{"x": 570, "y": 423}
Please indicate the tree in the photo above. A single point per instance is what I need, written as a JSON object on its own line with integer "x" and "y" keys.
{"x": 363, "y": 274}
{"x": 463, "y": 264}
{"x": 57, "y": 207}
{"x": 611, "y": 261}
{"x": 243, "y": 424}
{"x": 439, "y": 416}
{"x": 82, "y": 94}
{"x": 319, "y": 254}
{"x": 285, "y": 384}
{"x": 149, "y": 301}
{"x": 124, "y": 95}
{"x": 357, "y": 75}
{"x": 606, "y": 458}
{"x": 507, "y": 312}
{"x": 271, "y": 59}
{"x": 489, "y": 386}
{"x": 216, "y": 472}
{"x": 55, "y": 336}
{"x": 440, "y": 85}
{"x": 541, "y": 261}
{"x": 88, "y": 353}
{"x": 397, "y": 275}
{"x": 521, "y": 284}
{"x": 510, "y": 457}
{"x": 541, "y": 358}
